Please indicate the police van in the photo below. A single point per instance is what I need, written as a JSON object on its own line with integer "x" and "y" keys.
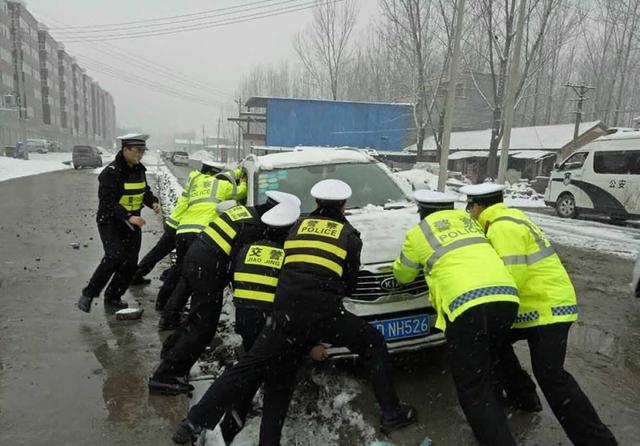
{"x": 602, "y": 178}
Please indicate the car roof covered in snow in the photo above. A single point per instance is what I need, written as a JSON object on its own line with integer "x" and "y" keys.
{"x": 311, "y": 157}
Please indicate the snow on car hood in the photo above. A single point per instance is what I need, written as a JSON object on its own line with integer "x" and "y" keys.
{"x": 382, "y": 231}
{"x": 311, "y": 157}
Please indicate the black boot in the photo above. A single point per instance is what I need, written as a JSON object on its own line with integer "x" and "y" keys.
{"x": 84, "y": 303}
{"x": 527, "y": 402}
{"x": 115, "y": 304}
{"x": 169, "y": 385}
{"x": 403, "y": 416}
{"x": 139, "y": 280}
{"x": 186, "y": 432}
{"x": 166, "y": 323}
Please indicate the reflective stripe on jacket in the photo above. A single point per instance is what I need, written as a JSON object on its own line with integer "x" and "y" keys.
{"x": 133, "y": 195}
{"x": 461, "y": 268}
{"x": 256, "y": 272}
{"x": 203, "y": 195}
{"x": 320, "y": 242}
{"x": 546, "y": 293}
{"x": 223, "y": 230}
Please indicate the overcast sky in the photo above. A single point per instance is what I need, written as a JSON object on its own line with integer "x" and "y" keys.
{"x": 218, "y": 57}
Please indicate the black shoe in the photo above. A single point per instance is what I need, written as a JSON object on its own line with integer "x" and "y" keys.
{"x": 139, "y": 280}
{"x": 168, "y": 323}
{"x": 84, "y": 303}
{"x": 528, "y": 402}
{"x": 116, "y": 304}
{"x": 186, "y": 432}
{"x": 403, "y": 416}
{"x": 169, "y": 386}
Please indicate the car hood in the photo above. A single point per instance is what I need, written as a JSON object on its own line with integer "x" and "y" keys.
{"x": 382, "y": 231}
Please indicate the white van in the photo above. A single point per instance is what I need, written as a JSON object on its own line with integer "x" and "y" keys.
{"x": 602, "y": 178}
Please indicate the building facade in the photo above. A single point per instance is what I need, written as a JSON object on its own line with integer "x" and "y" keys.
{"x": 49, "y": 69}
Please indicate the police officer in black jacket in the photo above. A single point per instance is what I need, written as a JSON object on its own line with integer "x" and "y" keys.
{"x": 204, "y": 277}
{"x": 320, "y": 268}
{"x": 122, "y": 192}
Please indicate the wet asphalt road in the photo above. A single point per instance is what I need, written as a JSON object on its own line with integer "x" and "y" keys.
{"x": 77, "y": 379}
{"x": 68, "y": 378}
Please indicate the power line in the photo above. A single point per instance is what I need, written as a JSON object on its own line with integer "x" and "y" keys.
{"x": 164, "y": 18}
{"x": 203, "y": 16}
{"x": 215, "y": 24}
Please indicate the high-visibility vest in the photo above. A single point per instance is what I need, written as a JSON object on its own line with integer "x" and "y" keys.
{"x": 222, "y": 231}
{"x": 173, "y": 220}
{"x": 256, "y": 272}
{"x": 460, "y": 266}
{"x": 546, "y": 293}
{"x": 320, "y": 243}
{"x": 204, "y": 194}
{"x": 133, "y": 196}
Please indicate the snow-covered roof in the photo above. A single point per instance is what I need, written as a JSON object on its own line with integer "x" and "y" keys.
{"x": 547, "y": 137}
{"x": 195, "y": 142}
{"x": 532, "y": 154}
{"x": 620, "y": 135}
{"x": 312, "y": 156}
{"x": 463, "y": 154}
{"x": 261, "y": 101}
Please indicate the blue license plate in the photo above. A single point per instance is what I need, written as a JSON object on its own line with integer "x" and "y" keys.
{"x": 403, "y": 327}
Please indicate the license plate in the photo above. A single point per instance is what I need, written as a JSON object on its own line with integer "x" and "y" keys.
{"x": 403, "y": 327}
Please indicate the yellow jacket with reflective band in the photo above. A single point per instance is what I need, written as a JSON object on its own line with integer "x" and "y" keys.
{"x": 223, "y": 230}
{"x": 203, "y": 195}
{"x": 546, "y": 293}
{"x": 461, "y": 268}
{"x": 173, "y": 220}
{"x": 255, "y": 274}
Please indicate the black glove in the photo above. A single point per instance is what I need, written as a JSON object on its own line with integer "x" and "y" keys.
{"x": 84, "y": 304}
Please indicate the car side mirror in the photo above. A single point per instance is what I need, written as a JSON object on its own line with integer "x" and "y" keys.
{"x": 556, "y": 166}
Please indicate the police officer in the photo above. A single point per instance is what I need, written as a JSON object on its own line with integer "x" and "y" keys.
{"x": 320, "y": 268}
{"x": 122, "y": 192}
{"x": 255, "y": 271}
{"x": 205, "y": 190}
{"x": 205, "y": 276}
{"x": 167, "y": 242}
{"x": 476, "y": 302}
{"x": 547, "y": 310}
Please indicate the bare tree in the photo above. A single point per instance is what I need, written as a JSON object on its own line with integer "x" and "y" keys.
{"x": 323, "y": 48}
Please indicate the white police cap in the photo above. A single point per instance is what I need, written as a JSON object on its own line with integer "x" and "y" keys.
{"x": 484, "y": 190}
{"x": 213, "y": 164}
{"x": 331, "y": 190}
{"x": 282, "y": 215}
{"x": 283, "y": 197}
{"x": 133, "y": 139}
{"x": 426, "y": 197}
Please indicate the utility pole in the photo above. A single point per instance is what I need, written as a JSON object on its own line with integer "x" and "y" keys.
{"x": 451, "y": 97}
{"x": 510, "y": 99}
{"x": 204, "y": 144}
{"x": 239, "y": 102}
{"x": 580, "y": 91}
{"x": 218, "y": 138}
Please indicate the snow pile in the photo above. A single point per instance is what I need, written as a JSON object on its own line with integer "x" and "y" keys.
{"x": 521, "y": 194}
{"x": 15, "y": 168}
{"x": 168, "y": 189}
{"x": 312, "y": 156}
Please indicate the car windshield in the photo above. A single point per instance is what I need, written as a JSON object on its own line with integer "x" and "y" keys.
{"x": 370, "y": 184}
{"x": 82, "y": 149}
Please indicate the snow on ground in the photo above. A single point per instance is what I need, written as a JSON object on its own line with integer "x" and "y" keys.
{"x": 15, "y": 168}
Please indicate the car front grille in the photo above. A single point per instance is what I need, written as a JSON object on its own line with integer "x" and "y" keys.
{"x": 372, "y": 286}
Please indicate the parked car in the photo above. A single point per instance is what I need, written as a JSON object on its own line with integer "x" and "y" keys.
{"x": 86, "y": 156}
{"x": 180, "y": 158}
{"x": 602, "y": 178}
{"x": 38, "y": 145}
{"x": 381, "y": 209}
{"x": 635, "y": 278}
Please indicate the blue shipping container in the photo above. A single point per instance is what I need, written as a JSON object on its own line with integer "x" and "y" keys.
{"x": 300, "y": 122}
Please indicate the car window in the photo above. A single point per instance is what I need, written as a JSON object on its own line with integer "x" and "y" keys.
{"x": 370, "y": 184}
{"x": 611, "y": 162}
{"x": 634, "y": 162}
{"x": 575, "y": 161}
{"x": 82, "y": 149}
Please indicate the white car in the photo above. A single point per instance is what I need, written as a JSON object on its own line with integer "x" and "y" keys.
{"x": 381, "y": 209}
{"x": 635, "y": 278}
{"x": 180, "y": 158}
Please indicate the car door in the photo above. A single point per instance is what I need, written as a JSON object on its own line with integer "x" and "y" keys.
{"x": 632, "y": 200}
{"x": 611, "y": 175}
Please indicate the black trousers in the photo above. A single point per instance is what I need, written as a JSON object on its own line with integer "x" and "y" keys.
{"x": 275, "y": 357}
{"x": 183, "y": 242}
{"x": 162, "y": 248}
{"x": 121, "y": 247}
{"x": 572, "y": 408}
{"x": 204, "y": 277}
{"x": 249, "y": 325}
{"x": 475, "y": 340}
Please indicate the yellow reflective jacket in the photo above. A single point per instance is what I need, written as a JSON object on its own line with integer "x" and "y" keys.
{"x": 461, "y": 268}
{"x": 204, "y": 194}
{"x": 546, "y": 293}
{"x": 173, "y": 220}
